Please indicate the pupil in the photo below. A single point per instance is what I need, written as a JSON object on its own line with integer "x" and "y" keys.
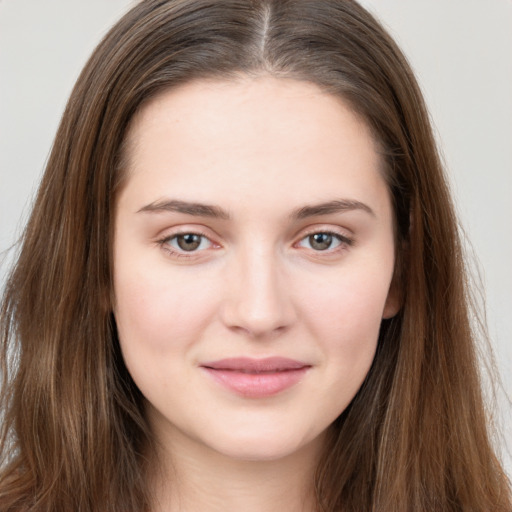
{"x": 189, "y": 242}
{"x": 320, "y": 241}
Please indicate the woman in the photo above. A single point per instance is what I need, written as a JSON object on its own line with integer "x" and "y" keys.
{"x": 241, "y": 286}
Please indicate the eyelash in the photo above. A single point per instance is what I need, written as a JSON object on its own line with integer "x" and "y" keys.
{"x": 344, "y": 242}
{"x": 165, "y": 243}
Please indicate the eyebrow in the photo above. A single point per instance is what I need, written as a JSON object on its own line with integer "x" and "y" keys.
{"x": 216, "y": 212}
{"x": 195, "y": 209}
{"x": 336, "y": 206}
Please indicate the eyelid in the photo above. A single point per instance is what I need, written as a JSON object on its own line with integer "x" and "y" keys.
{"x": 185, "y": 229}
{"x": 203, "y": 240}
{"x": 163, "y": 241}
{"x": 345, "y": 239}
{"x": 343, "y": 233}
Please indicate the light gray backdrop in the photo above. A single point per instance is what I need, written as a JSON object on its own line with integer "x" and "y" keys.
{"x": 461, "y": 51}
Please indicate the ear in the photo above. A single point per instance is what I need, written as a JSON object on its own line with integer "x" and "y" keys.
{"x": 393, "y": 301}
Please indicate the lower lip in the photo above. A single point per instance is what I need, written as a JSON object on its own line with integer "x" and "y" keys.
{"x": 257, "y": 385}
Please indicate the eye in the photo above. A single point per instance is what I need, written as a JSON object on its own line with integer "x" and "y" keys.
{"x": 323, "y": 241}
{"x": 188, "y": 242}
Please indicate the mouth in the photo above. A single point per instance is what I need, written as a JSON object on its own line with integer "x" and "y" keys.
{"x": 256, "y": 378}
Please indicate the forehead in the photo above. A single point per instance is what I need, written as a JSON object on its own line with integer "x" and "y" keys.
{"x": 250, "y": 135}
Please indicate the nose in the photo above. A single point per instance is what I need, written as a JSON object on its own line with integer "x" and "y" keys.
{"x": 257, "y": 296}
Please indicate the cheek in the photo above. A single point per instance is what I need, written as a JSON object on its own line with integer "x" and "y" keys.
{"x": 345, "y": 315}
{"x": 346, "y": 301}
{"x": 159, "y": 317}
{"x": 159, "y": 311}
{"x": 347, "y": 337}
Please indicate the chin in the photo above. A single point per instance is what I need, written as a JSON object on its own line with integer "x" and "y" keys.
{"x": 264, "y": 447}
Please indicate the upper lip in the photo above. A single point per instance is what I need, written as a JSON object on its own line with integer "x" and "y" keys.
{"x": 250, "y": 365}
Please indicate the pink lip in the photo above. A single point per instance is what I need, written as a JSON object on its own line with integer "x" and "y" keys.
{"x": 256, "y": 378}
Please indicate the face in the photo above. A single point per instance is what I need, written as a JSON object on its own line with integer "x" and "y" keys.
{"x": 253, "y": 258}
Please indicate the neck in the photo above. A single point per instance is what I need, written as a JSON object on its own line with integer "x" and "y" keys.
{"x": 194, "y": 478}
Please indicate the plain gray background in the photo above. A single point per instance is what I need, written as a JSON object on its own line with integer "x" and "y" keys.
{"x": 461, "y": 51}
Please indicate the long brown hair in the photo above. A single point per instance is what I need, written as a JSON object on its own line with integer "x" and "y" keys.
{"x": 74, "y": 435}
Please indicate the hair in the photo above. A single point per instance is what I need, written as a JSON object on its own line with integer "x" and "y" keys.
{"x": 74, "y": 434}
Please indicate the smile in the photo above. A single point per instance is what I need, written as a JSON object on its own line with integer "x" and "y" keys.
{"x": 256, "y": 378}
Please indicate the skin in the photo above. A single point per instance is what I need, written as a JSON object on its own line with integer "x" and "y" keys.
{"x": 261, "y": 149}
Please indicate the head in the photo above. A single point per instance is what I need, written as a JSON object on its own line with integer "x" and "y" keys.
{"x": 71, "y": 354}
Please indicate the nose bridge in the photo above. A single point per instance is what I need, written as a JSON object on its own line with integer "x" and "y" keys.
{"x": 258, "y": 301}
